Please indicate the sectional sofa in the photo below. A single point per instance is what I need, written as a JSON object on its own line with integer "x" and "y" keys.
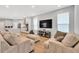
{"x": 69, "y": 43}
{"x": 13, "y": 43}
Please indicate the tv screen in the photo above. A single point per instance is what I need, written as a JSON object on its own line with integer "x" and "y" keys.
{"x": 46, "y": 23}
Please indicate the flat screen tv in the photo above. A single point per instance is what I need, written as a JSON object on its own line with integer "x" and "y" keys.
{"x": 45, "y": 23}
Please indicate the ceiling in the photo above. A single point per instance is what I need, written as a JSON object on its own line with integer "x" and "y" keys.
{"x": 20, "y": 11}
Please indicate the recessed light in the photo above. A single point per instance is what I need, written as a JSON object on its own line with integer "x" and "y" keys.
{"x": 58, "y": 5}
{"x": 33, "y": 6}
{"x": 7, "y": 6}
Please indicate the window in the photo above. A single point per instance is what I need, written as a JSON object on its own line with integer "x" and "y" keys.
{"x": 63, "y": 22}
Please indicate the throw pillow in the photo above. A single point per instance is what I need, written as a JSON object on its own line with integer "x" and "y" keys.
{"x": 59, "y": 33}
{"x": 77, "y": 47}
{"x": 9, "y": 39}
{"x": 70, "y": 40}
{"x": 60, "y": 38}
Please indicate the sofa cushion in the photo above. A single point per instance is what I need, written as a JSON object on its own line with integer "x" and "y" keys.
{"x": 59, "y": 36}
{"x": 32, "y": 36}
{"x": 3, "y": 33}
{"x": 70, "y": 40}
{"x": 9, "y": 39}
{"x": 76, "y": 48}
{"x": 59, "y": 33}
{"x": 3, "y": 44}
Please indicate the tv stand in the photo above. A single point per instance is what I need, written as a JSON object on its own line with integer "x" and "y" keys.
{"x": 44, "y": 33}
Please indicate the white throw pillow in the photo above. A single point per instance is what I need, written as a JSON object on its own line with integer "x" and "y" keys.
{"x": 10, "y": 39}
{"x": 70, "y": 40}
{"x": 3, "y": 44}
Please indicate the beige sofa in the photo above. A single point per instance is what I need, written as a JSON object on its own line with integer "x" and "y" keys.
{"x": 35, "y": 38}
{"x": 20, "y": 44}
{"x": 70, "y": 44}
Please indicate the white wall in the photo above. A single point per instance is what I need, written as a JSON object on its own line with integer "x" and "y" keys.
{"x": 14, "y": 22}
{"x": 29, "y": 21}
{"x": 1, "y": 26}
{"x": 35, "y": 24}
{"x": 53, "y": 15}
{"x": 74, "y": 15}
{"x": 76, "y": 19}
{"x": 8, "y": 22}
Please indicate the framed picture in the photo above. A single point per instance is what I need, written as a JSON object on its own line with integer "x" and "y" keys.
{"x": 5, "y": 26}
{"x": 8, "y": 26}
{"x": 11, "y": 26}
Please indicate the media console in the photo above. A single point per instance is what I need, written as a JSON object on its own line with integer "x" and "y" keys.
{"x": 44, "y": 33}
